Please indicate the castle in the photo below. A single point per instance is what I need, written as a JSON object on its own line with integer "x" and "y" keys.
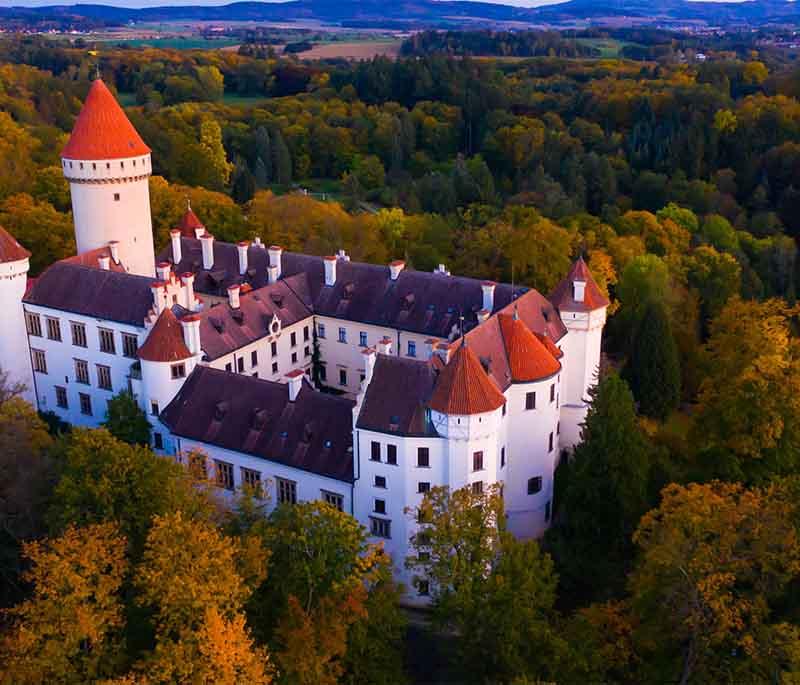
{"x": 432, "y": 379}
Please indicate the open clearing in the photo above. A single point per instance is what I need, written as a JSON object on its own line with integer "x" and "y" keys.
{"x": 357, "y": 50}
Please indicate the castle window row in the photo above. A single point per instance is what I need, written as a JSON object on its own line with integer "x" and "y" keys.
{"x": 391, "y": 452}
{"x": 106, "y": 336}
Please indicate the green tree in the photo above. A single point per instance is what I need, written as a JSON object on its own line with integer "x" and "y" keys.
{"x": 126, "y": 421}
{"x": 655, "y": 372}
{"x": 281, "y": 160}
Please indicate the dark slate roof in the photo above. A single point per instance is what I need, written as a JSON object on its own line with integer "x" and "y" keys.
{"x": 223, "y": 329}
{"x": 396, "y": 398}
{"x": 111, "y": 295}
{"x": 418, "y": 301}
{"x": 254, "y": 416}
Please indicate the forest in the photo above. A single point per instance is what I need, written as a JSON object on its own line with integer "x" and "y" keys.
{"x": 674, "y": 554}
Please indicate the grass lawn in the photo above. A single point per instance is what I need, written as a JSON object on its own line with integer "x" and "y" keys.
{"x": 608, "y": 47}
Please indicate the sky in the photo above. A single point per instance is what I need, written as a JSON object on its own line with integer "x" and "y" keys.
{"x": 160, "y": 3}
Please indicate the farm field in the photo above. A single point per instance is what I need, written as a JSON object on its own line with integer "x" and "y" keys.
{"x": 356, "y": 50}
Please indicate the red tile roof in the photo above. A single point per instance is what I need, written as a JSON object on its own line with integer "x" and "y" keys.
{"x": 550, "y": 345}
{"x": 90, "y": 259}
{"x": 463, "y": 387}
{"x": 528, "y": 358}
{"x": 165, "y": 342}
{"x": 593, "y": 298}
{"x": 189, "y": 223}
{"x": 10, "y": 249}
{"x": 102, "y": 131}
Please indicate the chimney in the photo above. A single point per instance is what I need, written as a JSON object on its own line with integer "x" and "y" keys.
{"x": 441, "y": 269}
{"x": 257, "y": 241}
{"x": 488, "y": 295}
{"x": 187, "y": 280}
{"x": 207, "y": 242}
{"x": 369, "y": 364}
{"x": 395, "y": 268}
{"x": 104, "y": 262}
{"x": 341, "y": 254}
{"x": 275, "y": 252}
{"x": 430, "y": 346}
{"x": 157, "y": 288}
{"x": 295, "y": 383}
{"x": 579, "y": 289}
{"x": 113, "y": 248}
{"x": 233, "y": 296}
{"x": 163, "y": 270}
{"x": 199, "y": 232}
{"x": 384, "y": 345}
{"x": 242, "y": 248}
{"x": 483, "y": 314}
{"x": 175, "y": 236}
{"x": 191, "y": 332}
{"x": 272, "y": 274}
{"x": 442, "y": 350}
{"x": 330, "y": 270}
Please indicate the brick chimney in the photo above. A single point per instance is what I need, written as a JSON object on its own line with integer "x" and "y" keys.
{"x": 441, "y": 269}
{"x": 207, "y": 243}
{"x": 191, "y": 332}
{"x": 488, "y": 295}
{"x": 163, "y": 270}
{"x": 395, "y": 268}
{"x": 275, "y": 252}
{"x": 482, "y": 315}
{"x": 242, "y": 248}
{"x": 384, "y": 345}
{"x": 104, "y": 262}
{"x": 330, "y": 270}
{"x": 295, "y": 383}
{"x": 369, "y": 364}
{"x": 187, "y": 280}
{"x": 233, "y": 295}
{"x": 175, "y": 237}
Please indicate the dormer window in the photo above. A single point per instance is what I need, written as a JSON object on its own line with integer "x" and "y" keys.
{"x": 579, "y": 290}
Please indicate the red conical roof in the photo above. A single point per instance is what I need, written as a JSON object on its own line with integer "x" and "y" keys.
{"x": 563, "y": 296}
{"x": 189, "y": 223}
{"x": 102, "y": 131}
{"x": 463, "y": 387}
{"x": 10, "y": 249}
{"x": 165, "y": 342}
{"x": 528, "y": 358}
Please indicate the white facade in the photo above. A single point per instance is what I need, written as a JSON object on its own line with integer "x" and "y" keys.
{"x": 15, "y": 355}
{"x": 111, "y": 202}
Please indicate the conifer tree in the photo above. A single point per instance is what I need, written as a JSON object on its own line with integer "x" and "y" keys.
{"x": 281, "y": 160}
{"x": 654, "y": 372}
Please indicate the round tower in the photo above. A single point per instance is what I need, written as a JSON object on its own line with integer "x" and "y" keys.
{"x": 15, "y": 356}
{"x": 108, "y": 166}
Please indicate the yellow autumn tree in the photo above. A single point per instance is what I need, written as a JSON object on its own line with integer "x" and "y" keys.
{"x": 68, "y": 631}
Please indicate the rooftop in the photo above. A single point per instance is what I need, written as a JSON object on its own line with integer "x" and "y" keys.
{"x": 464, "y": 388}
{"x": 165, "y": 341}
{"x": 563, "y": 296}
{"x": 10, "y": 249}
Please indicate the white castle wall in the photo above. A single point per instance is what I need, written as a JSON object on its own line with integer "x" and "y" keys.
{"x": 14, "y": 352}
{"x": 111, "y": 201}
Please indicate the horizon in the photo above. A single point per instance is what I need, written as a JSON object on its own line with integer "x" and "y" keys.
{"x": 143, "y": 4}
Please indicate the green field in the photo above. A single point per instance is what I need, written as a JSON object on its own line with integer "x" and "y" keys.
{"x": 178, "y": 43}
{"x": 608, "y": 47}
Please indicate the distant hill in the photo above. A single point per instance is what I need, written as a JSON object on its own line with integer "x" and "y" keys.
{"x": 433, "y": 12}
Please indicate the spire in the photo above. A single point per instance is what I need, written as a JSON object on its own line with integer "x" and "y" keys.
{"x": 578, "y": 291}
{"x": 189, "y": 223}
{"x": 102, "y": 130}
{"x": 464, "y": 388}
{"x": 165, "y": 342}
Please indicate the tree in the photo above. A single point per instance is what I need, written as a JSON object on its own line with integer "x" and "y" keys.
{"x": 68, "y": 631}
{"x": 126, "y": 421}
{"x": 654, "y": 365}
{"x": 605, "y": 494}
{"x": 495, "y": 592}
{"x": 281, "y": 160}
{"x": 218, "y": 169}
{"x": 715, "y": 561}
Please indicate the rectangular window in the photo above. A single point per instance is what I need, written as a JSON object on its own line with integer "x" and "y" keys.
{"x": 273, "y": 347}
{"x": 224, "y": 473}
{"x": 558, "y": 428}
{"x": 423, "y": 588}
{"x": 82, "y": 371}
{"x": 54, "y": 329}
{"x": 294, "y": 357}
{"x": 530, "y": 400}
{"x": 321, "y": 330}
{"x": 129, "y": 345}
{"x": 412, "y": 348}
{"x": 158, "y": 441}
{"x": 39, "y": 361}
{"x": 228, "y": 367}
{"x": 307, "y": 351}
{"x": 103, "y": 377}
{"x": 423, "y": 457}
{"x": 334, "y": 499}
{"x": 293, "y": 339}
{"x": 34, "y": 324}
{"x": 239, "y": 365}
{"x": 550, "y": 443}
{"x": 86, "y": 403}
{"x": 362, "y": 339}
{"x": 274, "y": 367}
{"x": 423, "y": 487}
{"x": 379, "y": 506}
{"x": 504, "y": 409}
{"x": 534, "y": 485}
{"x": 305, "y": 333}
{"x": 380, "y": 528}
{"x": 116, "y": 197}
{"x": 502, "y": 457}
{"x": 477, "y": 487}
{"x": 254, "y": 358}
{"x": 287, "y": 491}
{"x": 342, "y": 376}
{"x": 252, "y": 480}
{"x": 552, "y": 392}
{"x": 342, "y": 335}
{"x": 391, "y": 454}
{"x": 547, "y": 512}
{"x": 179, "y": 371}
{"x": 154, "y": 408}
{"x": 78, "y": 334}
{"x": 61, "y": 397}
{"x": 375, "y": 451}
{"x": 107, "y": 341}
{"x": 323, "y": 372}
{"x": 477, "y": 461}
{"x": 380, "y": 481}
